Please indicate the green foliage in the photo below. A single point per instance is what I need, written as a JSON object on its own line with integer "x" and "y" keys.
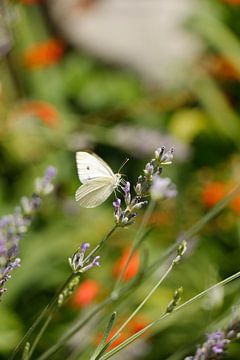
{"x": 83, "y": 103}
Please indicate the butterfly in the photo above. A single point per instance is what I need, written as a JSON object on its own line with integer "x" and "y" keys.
{"x": 97, "y": 178}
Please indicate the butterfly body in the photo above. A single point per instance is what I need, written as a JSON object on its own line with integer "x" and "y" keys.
{"x": 97, "y": 178}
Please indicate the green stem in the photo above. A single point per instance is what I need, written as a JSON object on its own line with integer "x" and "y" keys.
{"x": 50, "y": 308}
{"x": 67, "y": 336}
{"x": 136, "y": 243}
{"x": 100, "y": 245}
{"x": 39, "y": 335}
{"x": 164, "y": 315}
{"x": 195, "y": 229}
{"x": 110, "y": 299}
{"x": 73, "y": 331}
{"x": 143, "y": 302}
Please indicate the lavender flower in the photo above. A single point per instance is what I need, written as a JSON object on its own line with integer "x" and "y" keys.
{"x": 79, "y": 264}
{"x": 77, "y": 261}
{"x": 44, "y": 185}
{"x": 149, "y": 183}
{"x": 14, "y": 226}
{"x": 127, "y": 193}
{"x": 165, "y": 157}
{"x": 117, "y": 204}
{"x": 216, "y": 345}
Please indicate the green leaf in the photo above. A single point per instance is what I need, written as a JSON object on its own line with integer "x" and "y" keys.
{"x": 102, "y": 347}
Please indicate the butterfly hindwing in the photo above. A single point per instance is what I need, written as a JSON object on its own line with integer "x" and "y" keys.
{"x": 94, "y": 192}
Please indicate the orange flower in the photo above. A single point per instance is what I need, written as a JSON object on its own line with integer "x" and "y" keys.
{"x": 86, "y": 293}
{"x": 30, "y": 2}
{"x": 86, "y": 4}
{"x": 213, "y": 192}
{"x": 132, "y": 268}
{"x": 160, "y": 218}
{"x": 122, "y": 337}
{"x": 44, "y": 54}
{"x": 221, "y": 67}
{"x": 44, "y": 111}
{"x": 235, "y": 205}
{"x": 232, "y": 2}
{"x": 138, "y": 324}
{"x": 132, "y": 328}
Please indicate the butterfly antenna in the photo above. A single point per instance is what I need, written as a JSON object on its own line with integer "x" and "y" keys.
{"x": 123, "y": 164}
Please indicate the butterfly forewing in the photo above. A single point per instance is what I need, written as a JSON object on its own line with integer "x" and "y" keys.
{"x": 94, "y": 192}
{"x": 98, "y": 180}
{"x": 91, "y": 166}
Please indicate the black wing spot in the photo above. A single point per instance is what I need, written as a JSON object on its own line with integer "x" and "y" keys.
{"x": 88, "y": 168}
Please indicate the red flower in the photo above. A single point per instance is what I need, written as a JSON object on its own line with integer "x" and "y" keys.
{"x": 160, "y": 218}
{"x": 138, "y": 324}
{"x": 30, "y": 2}
{"x": 213, "y": 192}
{"x": 232, "y": 2}
{"x": 135, "y": 325}
{"x": 235, "y": 205}
{"x": 86, "y": 293}
{"x": 44, "y": 54}
{"x": 122, "y": 337}
{"x": 221, "y": 67}
{"x": 44, "y": 111}
{"x": 87, "y": 4}
{"x": 132, "y": 268}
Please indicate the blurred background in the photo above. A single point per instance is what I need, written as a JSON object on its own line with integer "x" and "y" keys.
{"x": 121, "y": 77}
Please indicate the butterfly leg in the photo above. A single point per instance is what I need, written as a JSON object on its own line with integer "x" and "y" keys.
{"x": 115, "y": 193}
{"x": 121, "y": 190}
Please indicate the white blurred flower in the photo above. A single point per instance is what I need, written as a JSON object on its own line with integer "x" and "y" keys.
{"x": 162, "y": 188}
{"x": 139, "y": 141}
{"x": 145, "y": 35}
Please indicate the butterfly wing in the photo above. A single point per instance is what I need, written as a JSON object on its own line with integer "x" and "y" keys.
{"x": 94, "y": 192}
{"x": 90, "y": 166}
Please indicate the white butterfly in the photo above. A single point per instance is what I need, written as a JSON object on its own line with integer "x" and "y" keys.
{"x": 98, "y": 180}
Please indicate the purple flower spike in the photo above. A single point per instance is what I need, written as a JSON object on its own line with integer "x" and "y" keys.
{"x": 36, "y": 201}
{"x": 44, "y": 185}
{"x": 15, "y": 264}
{"x": 81, "y": 265}
{"x": 127, "y": 188}
{"x": 85, "y": 246}
{"x": 14, "y": 226}
{"x": 4, "y": 221}
{"x": 149, "y": 183}
{"x": 216, "y": 345}
{"x": 96, "y": 261}
{"x": 117, "y": 205}
{"x": 167, "y": 156}
{"x": 127, "y": 194}
{"x": 217, "y": 349}
{"x": 148, "y": 169}
{"x": 50, "y": 173}
{"x": 216, "y": 335}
